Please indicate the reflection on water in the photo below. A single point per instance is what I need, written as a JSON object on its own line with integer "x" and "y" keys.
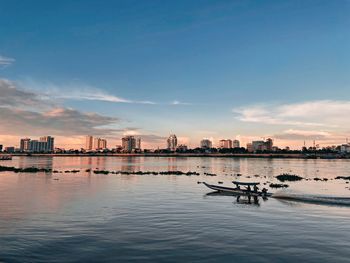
{"x": 45, "y": 217}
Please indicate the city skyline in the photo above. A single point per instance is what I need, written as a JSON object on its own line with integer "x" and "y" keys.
{"x": 133, "y": 144}
{"x": 219, "y": 70}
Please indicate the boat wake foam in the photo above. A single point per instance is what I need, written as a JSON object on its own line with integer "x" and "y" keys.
{"x": 315, "y": 199}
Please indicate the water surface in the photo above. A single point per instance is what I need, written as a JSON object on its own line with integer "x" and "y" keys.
{"x": 167, "y": 218}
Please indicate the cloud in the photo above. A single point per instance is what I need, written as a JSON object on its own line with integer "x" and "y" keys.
{"x": 25, "y": 112}
{"x": 176, "y": 102}
{"x": 10, "y": 95}
{"x": 4, "y": 61}
{"x": 321, "y": 113}
{"x": 292, "y": 134}
{"x": 76, "y": 91}
{"x": 57, "y": 121}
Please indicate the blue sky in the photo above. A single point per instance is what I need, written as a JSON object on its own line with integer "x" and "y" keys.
{"x": 219, "y": 59}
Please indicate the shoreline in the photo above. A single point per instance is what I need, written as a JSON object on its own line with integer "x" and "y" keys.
{"x": 212, "y": 155}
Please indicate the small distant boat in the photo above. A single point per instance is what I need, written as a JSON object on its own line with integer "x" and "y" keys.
{"x": 5, "y": 157}
{"x": 238, "y": 190}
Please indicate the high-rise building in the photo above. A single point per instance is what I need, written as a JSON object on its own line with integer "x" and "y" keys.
{"x": 10, "y": 149}
{"x": 44, "y": 144}
{"x": 129, "y": 143}
{"x": 250, "y": 147}
{"x": 24, "y": 145}
{"x": 100, "y": 144}
{"x": 89, "y": 143}
{"x": 268, "y": 144}
{"x": 36, "y": 146}
{"x": 138, "y": 144}
{"x": 258, "y": 146}
{"x": 206, "y": 144}
{"x": 49, "y": 143}
{"x": 235, "y": 144}
{"x": 172, "y": 142}
{"x": 226, "y": 144}
{"x": 103, "y": 144}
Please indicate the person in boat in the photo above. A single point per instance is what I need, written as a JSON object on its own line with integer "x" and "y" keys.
{"x": 255, "y": 189}
{"x": 264, "y": 191}
{"x": 249, "y": 189}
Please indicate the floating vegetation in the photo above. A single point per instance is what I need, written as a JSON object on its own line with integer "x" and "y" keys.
{"x": 343, "y": 177}
{"x": 220, "y": 182}
{"x": 288, "y": 177}
{"x": 23, "y": 170}
{"x": 279, "y": 185}
{"x": 210, "y": 174}
{"x": 147, "y": 172}
{"x": 88, "y": 170}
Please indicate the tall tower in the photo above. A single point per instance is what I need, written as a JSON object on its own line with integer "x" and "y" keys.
{"x": 48, "y": 143}
{"x": 172, "y": 142}
{"x": 25, "y": 145}
{"x": 89, "y": 143}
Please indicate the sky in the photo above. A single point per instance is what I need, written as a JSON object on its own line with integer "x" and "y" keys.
{"x": 242, "y": 70}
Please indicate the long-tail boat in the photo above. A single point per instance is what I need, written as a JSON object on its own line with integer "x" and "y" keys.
{"x": 240, "y": 191}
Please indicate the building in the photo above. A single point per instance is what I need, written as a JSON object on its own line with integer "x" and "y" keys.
{"x": 37, "y": 146}
{"x": 235, "y": 144}
{"x": 49, "y": 143}
{"x": 89, "y": 143}
{"x": 182, "y": 148}
{"x": 138, "y": 144}
{"x": 268, "y": 144}
{"x": 44, "y": 144}
{"x": 100, "y": 144}
{"x": 172, "y": 142}
{"x": 103, "y": 144}
{"x": 129, "y": 143}
{"x": 206, "y": 144}
{"x": 225, "y": 144}
{"x": 258, "y": 145}
{"x": 262, "y": 145}
{"x": 24, "y": 145}
{"x": 250, "y": 147}
{"x": 1, "y": 146}
{"x": 345, "y": 148}
{"x": 10, "y": 149}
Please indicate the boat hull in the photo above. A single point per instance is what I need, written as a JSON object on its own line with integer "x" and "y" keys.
{"x": 235, "y": 191}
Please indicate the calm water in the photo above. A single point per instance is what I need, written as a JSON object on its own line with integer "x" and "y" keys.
{"x": 118, "y": 218}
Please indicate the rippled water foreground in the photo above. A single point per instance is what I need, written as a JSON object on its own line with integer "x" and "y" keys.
{"x": 83, "y": 216}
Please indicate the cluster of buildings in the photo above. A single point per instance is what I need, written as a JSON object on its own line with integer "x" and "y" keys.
{"x": 45, "y": 144}
{"x": 345, "y": 148}
{"x": 255, "y": 146}
{"x": 129, "y": 144}
{"x": 204, "y": 144}
{"x": 96, "y": 144}
{"x": 132, "y": 144}
{"x": 228, "y": 144}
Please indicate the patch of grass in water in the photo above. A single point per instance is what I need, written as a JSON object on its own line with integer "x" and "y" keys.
{"x": 289, "y": 177}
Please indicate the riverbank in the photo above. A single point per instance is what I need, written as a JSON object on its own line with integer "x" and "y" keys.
{"x": 216, "y": 155}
